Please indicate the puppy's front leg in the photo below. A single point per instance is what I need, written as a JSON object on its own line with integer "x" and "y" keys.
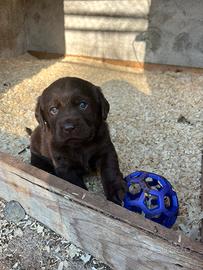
{"x": 112, "y": 179}
{"x": 42, "y": 163}
{"x": 71, "y": 176}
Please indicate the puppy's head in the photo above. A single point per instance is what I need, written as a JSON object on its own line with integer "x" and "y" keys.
{"x": 72, "y": 109}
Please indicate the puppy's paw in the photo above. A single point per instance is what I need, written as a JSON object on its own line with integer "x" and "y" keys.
{"x": 119, "y": 193}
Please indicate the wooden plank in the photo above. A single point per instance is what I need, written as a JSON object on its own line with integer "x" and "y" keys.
{"x": 120, "y": 63}
{"x": 201, "y": 180}
{"x": 117, "y": 236}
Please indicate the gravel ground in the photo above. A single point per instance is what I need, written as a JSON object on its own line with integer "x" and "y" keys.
{"x": 156, "y": 121}
{"x": 28, "y": 245}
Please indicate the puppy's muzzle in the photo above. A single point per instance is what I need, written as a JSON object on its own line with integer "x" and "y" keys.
{"x": 68, "y": 127}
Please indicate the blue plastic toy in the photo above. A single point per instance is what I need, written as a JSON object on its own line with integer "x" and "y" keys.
{"x": 152, "y": 195}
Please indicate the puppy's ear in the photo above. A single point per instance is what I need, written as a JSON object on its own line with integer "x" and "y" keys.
{"x": 39, "y": 113}
{"x": 104, "y": 105}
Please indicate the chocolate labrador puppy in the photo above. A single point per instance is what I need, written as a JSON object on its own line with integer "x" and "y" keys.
{"x": 72, "y": 137}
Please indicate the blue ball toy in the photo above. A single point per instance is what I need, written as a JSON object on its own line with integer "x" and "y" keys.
{"x": 152, "y": 195}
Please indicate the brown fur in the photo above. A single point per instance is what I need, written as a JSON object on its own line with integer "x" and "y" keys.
{"x": 73, "y": 138}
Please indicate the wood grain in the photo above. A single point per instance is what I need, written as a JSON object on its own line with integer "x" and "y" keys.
{"x": 117, "y": 236}
{"x": 201, "y": 180}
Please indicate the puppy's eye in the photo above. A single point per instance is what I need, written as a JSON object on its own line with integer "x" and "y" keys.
{"x": 83, "y": 105}
{"x": 53, "y": 110}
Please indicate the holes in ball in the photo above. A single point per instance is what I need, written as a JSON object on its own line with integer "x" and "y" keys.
{"x": 151, "y": 201}
{"x": 134, "y": 188}
{"x": 167, "y": 202}
{"x": 157, "y": 216}
{"x": 153, "y": 183}
{"x": 149, "y": 180}
{"x": 159, "y": 186}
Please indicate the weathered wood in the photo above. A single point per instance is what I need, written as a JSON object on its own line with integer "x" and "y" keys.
{"x": 201, "y": 180}
{"x": 134, "y": 65}
{"x": 117, "y": 236}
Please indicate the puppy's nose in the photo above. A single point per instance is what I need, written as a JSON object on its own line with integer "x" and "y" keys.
{"x": 68, "y": 126}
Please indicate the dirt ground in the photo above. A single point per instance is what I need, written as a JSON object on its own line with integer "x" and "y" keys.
{"x": 156, "y": 123}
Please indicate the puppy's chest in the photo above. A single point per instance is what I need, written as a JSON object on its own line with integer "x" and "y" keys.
{"x": 77, "y": 159}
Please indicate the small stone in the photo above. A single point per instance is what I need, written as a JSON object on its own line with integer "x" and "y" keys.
{"x": 66, "y": 264}
{"x": 18, "y": 232}
{"x": 73, "y": 251}
{"x": 28, "y": 223}
{"x": 182, "y": 119}
{"x": 15, "y": 266}
{"x": 39, "y": 229}
{"x": 85, "y": 258}
{"x": 47, "y": 248}
{"x": 14, "y": 212}
{"x": 194, "y": 233}
{"x": 183, "y": 228}
{"x": 10, "y": 237}
{"x": 60, "y": 267}
{"x": 57, "y": 249}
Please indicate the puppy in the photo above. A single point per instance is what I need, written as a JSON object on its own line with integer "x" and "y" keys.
{"x": 72, "y": 137}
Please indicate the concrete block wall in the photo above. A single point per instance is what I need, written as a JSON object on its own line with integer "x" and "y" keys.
{"x": 45, "y": 26}
{"x": 152, "y": 31}
{"x": 12, "y": 28}
{"x": 175, "y": 33}
{"x": 105, "y": 29}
